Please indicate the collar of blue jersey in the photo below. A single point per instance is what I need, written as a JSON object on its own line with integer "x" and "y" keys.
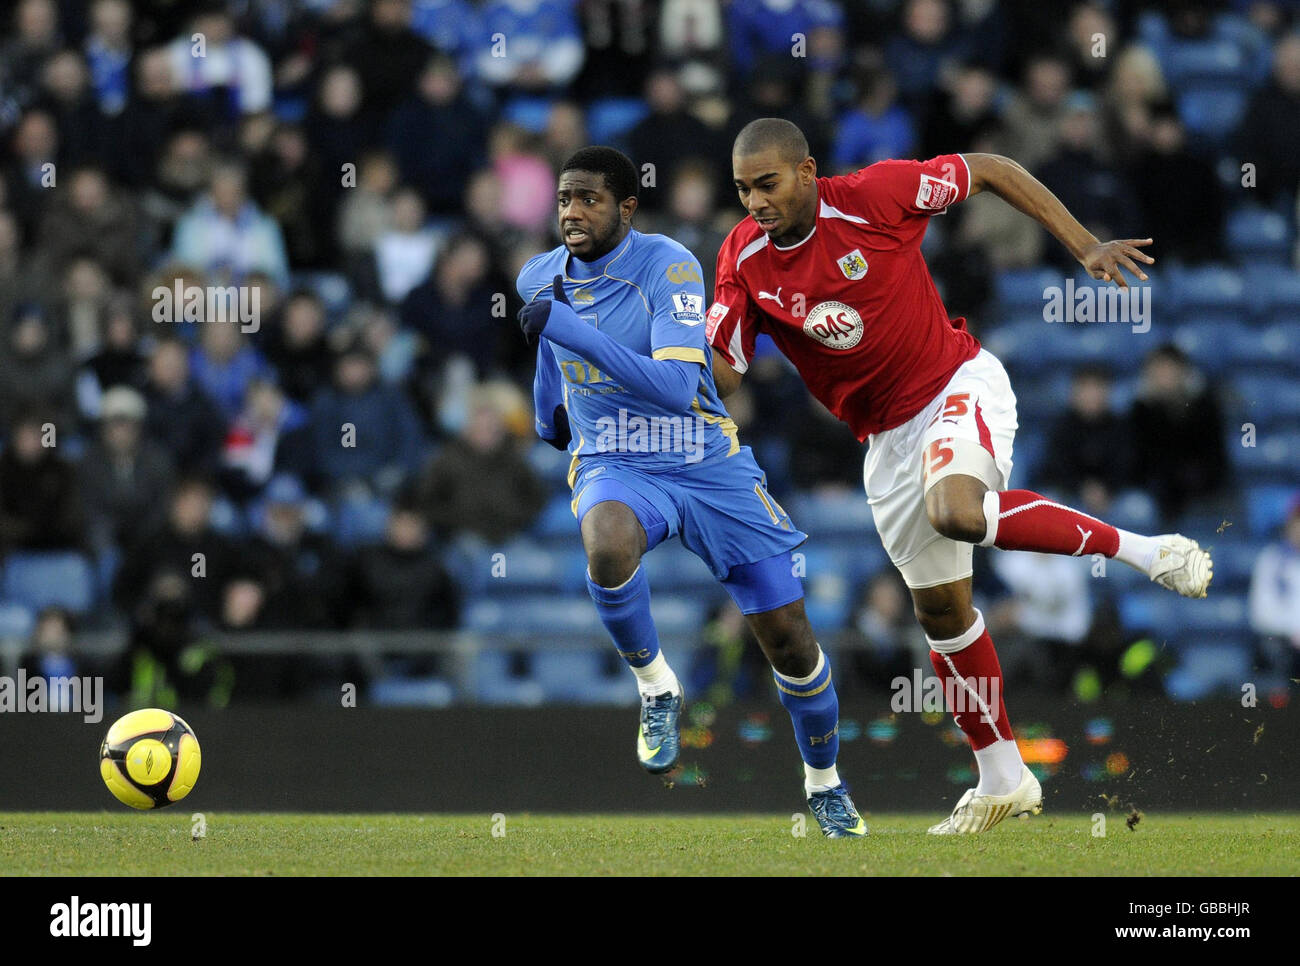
{"x": 573, "y": 265}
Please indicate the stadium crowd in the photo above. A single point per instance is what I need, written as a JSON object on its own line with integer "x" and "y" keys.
{"x": 371, "y": 176}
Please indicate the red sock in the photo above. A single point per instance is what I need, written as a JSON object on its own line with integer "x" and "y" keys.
{"x": 972, "y": 685}
{"x": 1026, "y": 520}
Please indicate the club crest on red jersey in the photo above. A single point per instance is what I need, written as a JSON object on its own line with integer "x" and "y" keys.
{"x": 834, "y": 324}
{"x": 717, "y": 313}
{"x": 853, "y": 265}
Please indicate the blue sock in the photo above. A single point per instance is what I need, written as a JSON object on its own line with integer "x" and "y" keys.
{"x": 625, "y": 612}
{"x": 815, "y": 711}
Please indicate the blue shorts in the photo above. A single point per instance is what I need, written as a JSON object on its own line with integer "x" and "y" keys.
{"x": 720, "y": 509}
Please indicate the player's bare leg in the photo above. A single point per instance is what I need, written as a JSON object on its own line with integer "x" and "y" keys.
{"x": 803, "y": 680}
{"x": 615, "y": 542}
{"x": 963, "y": 508}
{"x": 963, "y": 656}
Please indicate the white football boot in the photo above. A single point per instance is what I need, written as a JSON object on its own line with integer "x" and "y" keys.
{"x": 1182, "y": 566}
{"x": 979, "y": 813}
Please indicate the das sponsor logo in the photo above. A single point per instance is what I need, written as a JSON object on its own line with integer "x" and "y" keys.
{"x": 834, "y": 324}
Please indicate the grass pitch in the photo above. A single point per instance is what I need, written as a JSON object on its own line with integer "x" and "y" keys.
{"x": 162, "y": 843}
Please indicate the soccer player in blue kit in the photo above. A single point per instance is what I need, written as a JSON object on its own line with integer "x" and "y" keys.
{"x": 625, "y": 383}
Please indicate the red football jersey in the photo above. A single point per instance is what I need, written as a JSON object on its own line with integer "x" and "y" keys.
{"x": 853, "y": 305}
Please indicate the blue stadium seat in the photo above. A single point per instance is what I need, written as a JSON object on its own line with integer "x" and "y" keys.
{"x": 610, "y": 119}
{"x": 1266, "y": 507}
{"x": 823, "y": 515}
{"x": 1156, "y": 611}
{"x": 671, "y": 567}
{"x": 1018, "y": 344}
{"x": 551, "y": 465}
{"x": 1275, "y": 293}
{"x": 526, "y": 567}
{"x": 1270, "y": 400}
{"x": 677, "y": 615}
{"x": 1216, "y": 287}
{"x": 1254, "y": 234}
{"x": 528, "y": 112}
{"x": 1275, "y": 458}
{"x": 1207, "y": 667}
{"x": 38, "y": 580}
{"x": 1211, "y": 112}
{"x": 1220, "y": 613}
{"x": 1023, "y": 288}
{"x": 534, "y": 616}
{"x": 581, "y": 677}
{"x": 556, "y": 521}
{"x": 1219, "y": 347}
{"x": 16, "y": 621}
{"x": 1209, "y": 61}
{"x": 1233, "y": 562}
{"x": 495, "y": 684}
{"x": 1134, "y": 510}
{"x": 411, "y": 693}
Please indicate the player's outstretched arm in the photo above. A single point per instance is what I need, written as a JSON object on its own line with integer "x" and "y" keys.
{"x": 1017, "y": 187}
{"x": 669, "y": 383}
{"x": 725, "y": 378}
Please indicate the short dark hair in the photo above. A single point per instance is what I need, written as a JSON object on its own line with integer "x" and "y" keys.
{"x": 613, "y": 165}
{"x": 772, "y": 132}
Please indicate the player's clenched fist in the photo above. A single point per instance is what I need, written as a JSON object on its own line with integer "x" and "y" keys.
{"x": 534, "y": 316}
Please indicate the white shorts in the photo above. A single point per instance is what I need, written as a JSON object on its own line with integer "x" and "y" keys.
{"x": 968, "y": 428}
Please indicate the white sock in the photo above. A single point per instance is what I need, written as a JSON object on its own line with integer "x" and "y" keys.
{"x": 819, "y": 779}
{"x": 999, "y": 765}
{"x": 1136, "y": 550}
{"x": 656, "y": 678}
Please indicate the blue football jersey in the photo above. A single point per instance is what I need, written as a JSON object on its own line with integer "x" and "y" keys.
{"x": 647, "y": 294}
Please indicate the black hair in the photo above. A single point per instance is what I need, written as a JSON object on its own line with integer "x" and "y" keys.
{"x": 772, "y": 132}
{"x": 613, "y": 165}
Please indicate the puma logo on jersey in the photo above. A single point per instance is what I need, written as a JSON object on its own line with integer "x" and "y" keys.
{"x": 1082, "y": 543}
{"x": 775, "y": 298}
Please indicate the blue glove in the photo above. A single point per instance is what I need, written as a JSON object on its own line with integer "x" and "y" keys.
{"x": 534, "y": 316}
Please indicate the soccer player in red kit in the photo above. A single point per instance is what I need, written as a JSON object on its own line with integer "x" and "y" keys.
{"x": 831, "y": 269}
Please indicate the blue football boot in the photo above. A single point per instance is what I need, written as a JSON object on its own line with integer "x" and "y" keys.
{"x": 836, "y": 815}
{"x": 659, "y": 740}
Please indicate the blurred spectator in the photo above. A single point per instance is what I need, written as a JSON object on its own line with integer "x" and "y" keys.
{"x": 181, "y": 417}
{"x": 183, "y": 173}
{"x": 337, "y": 130}
{"x": 451, "y": 26}
{"x": 225, "y": 363}
{"x": 66, "y": 93}
{"x": 157, "y": 109}
{"x": 388, "y": 54}
{"x": 1078, "y": 174}
{"x": 729, "y": 665}
{"x": 824, "y": 453}
{"x": 619, "y": 38}
{"x": 1264, "y": 139}
{"x": 767, "y": 26}
{"x": 690, "y": 217}
{"x": 297, "y": 348}
{"x": 226, "y": 235}
{"x": 49, "y": 651}
{"x": 40, "y": 505}
{"x": 303, "y": 574}
{"x": 401, "y": 584}
{"x": 1033, "y": 118}
{"x": 364, "y": 434}
{"x": 960, "y": 112}
{"x": 90, "y": 218}
{"x": 19, "y": 280}
{"x": 34, "y": 371}
{"x": 124, "y": 475}
{"x": 692, "y": 33}
{"x": 405, "y": 252}
{"x": 1089, "y": 447}
{"x": 543, "y": 39}
{"x": 34, "y": 151}
{"x": 926, "y": 50}
{"x": 877, "y": 128}
{"x": 527, "y": 182}
{"x": 669, "y": 136}
{"x": 1092, "y": 34}
{"x": 182, "y": 560}
{"x": 479, "y": 482}
{"x": 1177, "y": 432}
{"x": 1190, "y": 232}
{"x": 230, "y": 72}
{"x": 437, "y": 165}
{"x": 394, "y": 348}
{"x": 1275, "y": 599}
{"x": 267, "y": 436}
{"x": 778, "y": 89}
{"x": 1051, "y": 609}
{"x": 288, "y": 184}
{"x": 883, "y": 641}
{"x": 109, "y": 49}
{"x": 1004, "y": 236}
{"x": 365, "y": 214}
{"x": 35, "y": 37}
{"x": 77, "y": 310}
{"x": 1135, "y": 89}
{"x": 566, "y": 133}
{"x": 452, "y": 309}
